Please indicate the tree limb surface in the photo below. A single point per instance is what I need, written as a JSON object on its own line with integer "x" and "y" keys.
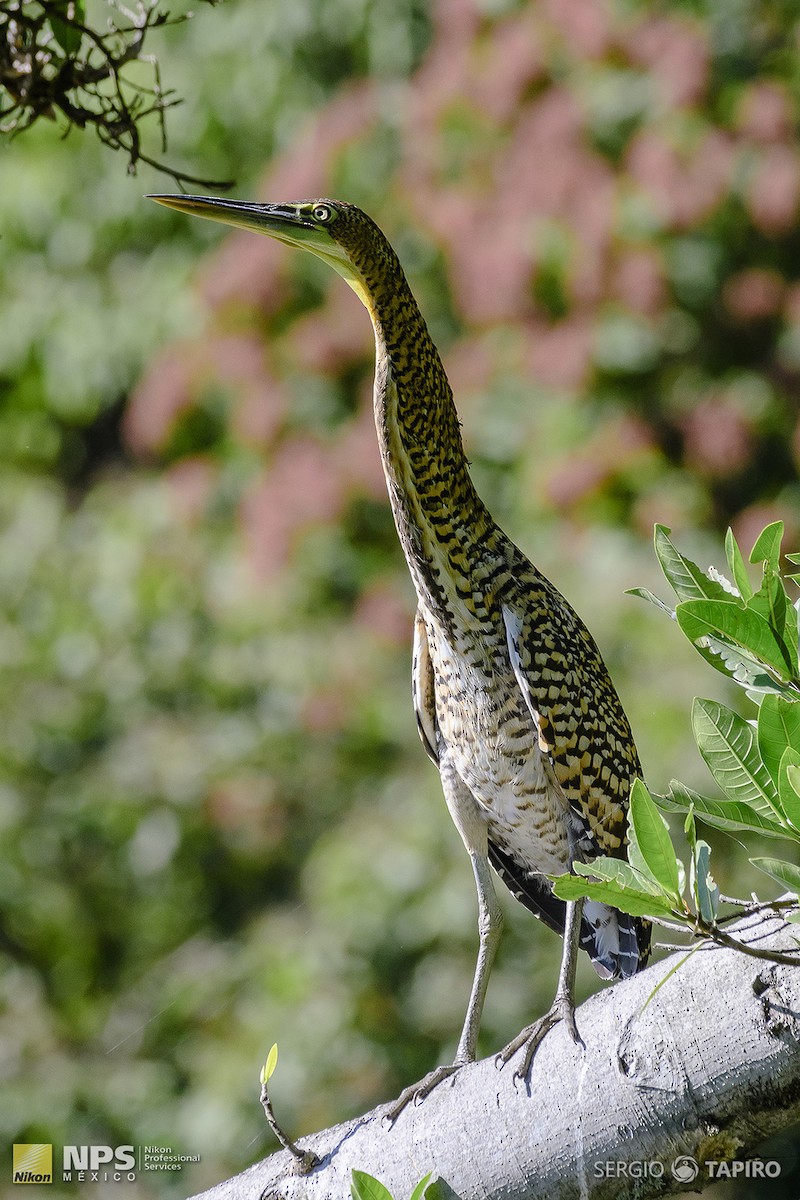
{"x": 709, "y": 1068}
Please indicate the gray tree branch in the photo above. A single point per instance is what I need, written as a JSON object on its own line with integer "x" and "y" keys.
{"x": 708, "y": 1068}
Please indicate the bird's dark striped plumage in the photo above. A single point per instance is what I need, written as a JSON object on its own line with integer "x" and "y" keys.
{"x": 513, "y": 701}
{"x": 547, "y": 684}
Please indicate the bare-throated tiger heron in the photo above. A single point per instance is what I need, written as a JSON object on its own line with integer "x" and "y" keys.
{"x": 513, "y": 701}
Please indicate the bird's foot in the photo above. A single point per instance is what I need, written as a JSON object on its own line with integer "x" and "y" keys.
{"x": 562, "y": 1009}
{"x": 417, "y": 1092}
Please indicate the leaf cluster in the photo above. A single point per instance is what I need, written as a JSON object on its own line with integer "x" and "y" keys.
{"x": 749, "y": 634}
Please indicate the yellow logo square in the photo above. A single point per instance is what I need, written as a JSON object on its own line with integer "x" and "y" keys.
{"x": 32, "y": 1162}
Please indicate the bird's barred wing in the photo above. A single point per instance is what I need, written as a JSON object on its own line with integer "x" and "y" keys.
{"x": 422, "y": 683}
{"x": 579, "y": 721}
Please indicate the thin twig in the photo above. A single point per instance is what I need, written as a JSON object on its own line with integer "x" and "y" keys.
{"x": 756, "y": 906}
{"x": 306, "y": 1159}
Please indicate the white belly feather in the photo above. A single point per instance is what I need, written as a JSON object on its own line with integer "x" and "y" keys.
{"x": 487, "y": 725}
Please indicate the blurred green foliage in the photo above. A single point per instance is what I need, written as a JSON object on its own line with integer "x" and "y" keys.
{"x": 219, "y": 829}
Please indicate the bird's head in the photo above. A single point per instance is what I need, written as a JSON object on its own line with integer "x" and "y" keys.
{"x": 340, "y": 234}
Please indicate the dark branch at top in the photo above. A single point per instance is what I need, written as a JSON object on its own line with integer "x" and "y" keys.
{"x": 54, "y": 65}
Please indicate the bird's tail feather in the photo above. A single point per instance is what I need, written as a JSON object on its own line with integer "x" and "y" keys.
{"x": 617, "y": 944}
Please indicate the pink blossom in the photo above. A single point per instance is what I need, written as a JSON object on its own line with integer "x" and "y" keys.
{"x": 334, "y": 336}
{"x": 191, "y": 483}
{"x": 774, "y": 190}
{"x": 559, "y": 355}
{"x": 637, "y": 281}
{"x": 301, "y": 486}
{"x": 386, "y": 612}
{"x": 675, "y": 51}
{"x": 718, "y": 437}
{"x": 753, "y": 294}
{"x": 160, "y": 397}
{"x": 683, "y": 187}
{"x": 585, "y": 27}
{"x": 765, "y": 112}
{"x": 505, "y": 65}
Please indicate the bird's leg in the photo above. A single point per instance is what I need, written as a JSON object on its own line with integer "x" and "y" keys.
{"x": 471, "y": 825}
{"x": 490, "y": 928}
{"x": 563, "y": 1006}
{"x": 490, "y": 923}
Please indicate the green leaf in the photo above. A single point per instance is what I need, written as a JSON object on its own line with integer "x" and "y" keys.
{"x": 646, "y": 594}
{"x": 728, "y": 815}
{"x": 679, "y": 804}
{"x": 772, "y": 603}
{"x": 789, "y": 631}
{"x": 68, "y": 37}
{"x": 268, "y": 1070}
{"x": 778, "y": 728}
{"x": 737, "y": 566}
{"x": 651, "y": 849}
{"x": 366, "y": 1187}
{"x": 704, "y": 889}
{"x": 786, "y": 873}
{"x": 686, "y": 578}
{"x": 788, "y": 784}
{"x": 419, "y": 1190}
{"x": 637, "y": 903}
{"x": 728, "y": 746}
{"x": 733, "y": 661}
{"x": 741, "y": 667}
{"x": 768, "y": 546}
{"x": 617, "y": 871}
{"x": 742, "y": 627}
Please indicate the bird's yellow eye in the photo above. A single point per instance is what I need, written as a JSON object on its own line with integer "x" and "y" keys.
{"x": 322, "y": 213}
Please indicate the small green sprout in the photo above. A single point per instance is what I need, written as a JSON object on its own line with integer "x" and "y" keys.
{"x": 305, "y": 1160}
{"x": 268, "y": 1069}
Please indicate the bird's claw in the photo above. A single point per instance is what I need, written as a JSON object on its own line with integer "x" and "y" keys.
{"x": 562, "y": 1009}
{"x": 417, "y": 1092}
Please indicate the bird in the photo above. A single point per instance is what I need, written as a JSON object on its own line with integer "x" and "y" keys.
{"x": 513, "y": 701}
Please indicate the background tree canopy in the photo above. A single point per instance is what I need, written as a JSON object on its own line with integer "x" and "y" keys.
{"x": 218, "y": 827}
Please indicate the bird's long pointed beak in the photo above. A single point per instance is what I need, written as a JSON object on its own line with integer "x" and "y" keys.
{"x": 287, "y": 223}
{"x": 281, "y": 221}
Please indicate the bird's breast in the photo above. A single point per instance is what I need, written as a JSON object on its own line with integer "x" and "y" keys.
{"x": 485, "y": 722}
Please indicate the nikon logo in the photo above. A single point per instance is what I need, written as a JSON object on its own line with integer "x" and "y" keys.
{"x": 32, "y": 1162}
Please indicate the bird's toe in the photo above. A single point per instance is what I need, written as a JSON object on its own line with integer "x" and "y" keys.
{"x": 530, "y": 1038}
{"x": 417, "y": 1092}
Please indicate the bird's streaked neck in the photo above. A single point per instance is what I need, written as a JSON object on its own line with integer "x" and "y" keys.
{"x": 436, "y": 509}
